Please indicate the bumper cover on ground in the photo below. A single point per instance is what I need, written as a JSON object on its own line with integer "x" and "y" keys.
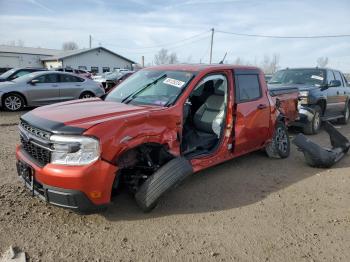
{"x": 317, "y": 156}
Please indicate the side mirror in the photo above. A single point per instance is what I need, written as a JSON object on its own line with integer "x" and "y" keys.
{"x": 334, "y": 83}
{"x": 33, "y": 81}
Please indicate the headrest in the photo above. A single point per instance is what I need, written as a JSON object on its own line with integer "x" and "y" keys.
{"x": 219, "y": 88}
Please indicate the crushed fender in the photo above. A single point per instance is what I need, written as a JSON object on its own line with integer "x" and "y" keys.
{"x": 317, "y": 156}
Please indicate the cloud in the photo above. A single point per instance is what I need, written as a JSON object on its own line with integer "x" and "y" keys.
{"x": 128, "y": 27}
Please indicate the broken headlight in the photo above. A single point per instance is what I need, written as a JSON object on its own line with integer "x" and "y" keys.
{"x": 74, "y": 150}
{"x": 303, "y": 97}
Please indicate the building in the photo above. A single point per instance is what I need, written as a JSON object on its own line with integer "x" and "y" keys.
{"x": 97, "y": 59}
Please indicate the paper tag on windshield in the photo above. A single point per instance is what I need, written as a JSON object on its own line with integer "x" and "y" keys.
{"x": 173, "y": 82}
{"x": 317, "y": 77}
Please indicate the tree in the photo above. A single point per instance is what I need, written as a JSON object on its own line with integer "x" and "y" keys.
{"x": 162, "y": 57}
{"x": 270, "y": 65}
{"x": 322, "y": 61}
{"x": 70, "y": 45}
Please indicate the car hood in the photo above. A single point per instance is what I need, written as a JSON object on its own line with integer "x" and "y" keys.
{"x": 301, "y": 87}
{"x": 74, "y": 117}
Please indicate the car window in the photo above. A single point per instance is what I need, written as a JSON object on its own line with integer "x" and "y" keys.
{"x": 330, "y": 76}
{"x": 346, "y": 83}
{"x": 338, "y": 77}
{"x": 70, "y": 78}
{"x": 247, "y": 88}
{"x": 20, "y": 73}
{"x": 48, "y": 78}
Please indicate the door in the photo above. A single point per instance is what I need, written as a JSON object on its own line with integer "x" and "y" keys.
{"x": 252, "y": 120}
{"x": 70, "y": 86}
{"x": 341, "y": 96}
{"x": 45, "y": 91}
{"x": 331, "y": 94}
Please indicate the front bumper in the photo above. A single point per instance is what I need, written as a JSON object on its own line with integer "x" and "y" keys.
{"x": 81, "y": 188}
{"x": 306, "y": 114}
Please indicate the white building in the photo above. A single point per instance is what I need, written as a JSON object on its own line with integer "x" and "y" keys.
{"x": 98, "y": 59}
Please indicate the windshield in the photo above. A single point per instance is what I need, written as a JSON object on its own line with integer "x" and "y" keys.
{"x": 8, "y": 73}
{"x": 315, "y": 77}
{"x": 151, "y": 87}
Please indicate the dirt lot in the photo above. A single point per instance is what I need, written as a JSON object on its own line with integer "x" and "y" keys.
{"x": 249, "y": 209}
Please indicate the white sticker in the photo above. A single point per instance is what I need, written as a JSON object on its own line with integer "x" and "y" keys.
{"x": 317, "y": 77}
{"x": 173, "y": 82}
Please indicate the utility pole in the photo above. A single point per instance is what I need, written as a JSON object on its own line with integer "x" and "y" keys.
{"x": 90, "y": 40}
{"x": 211, "y": 45}
{"x": 143, "y": 61}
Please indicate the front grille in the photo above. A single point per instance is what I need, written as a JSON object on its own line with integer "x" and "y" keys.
{"x": 35, "y": 131}
{"x": 42, "y": 155}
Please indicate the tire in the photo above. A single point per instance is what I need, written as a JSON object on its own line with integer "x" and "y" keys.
{"x": 86, "y": 95}
{"x": 13, "y": 102}
{"x": 165, "y": 178}
{"x": 344, "y": 120}
{"x": 280, "y": 144}
{"x": 314, "y": 126}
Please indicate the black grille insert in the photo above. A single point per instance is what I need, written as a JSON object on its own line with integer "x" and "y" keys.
{"x": 42, "y": 155}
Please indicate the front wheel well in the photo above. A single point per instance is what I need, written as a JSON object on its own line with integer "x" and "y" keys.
{"x": 323, "y": 104}
{"x": 138, "y": 163}
{"x": 16, "y": 93}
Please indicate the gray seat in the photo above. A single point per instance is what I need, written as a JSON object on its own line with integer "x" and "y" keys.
{"x": 206, "y": 114}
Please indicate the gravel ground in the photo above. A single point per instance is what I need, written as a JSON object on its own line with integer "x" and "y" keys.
{"x": 248, "y": 209}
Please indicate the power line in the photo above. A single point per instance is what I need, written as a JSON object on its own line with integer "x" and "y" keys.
{"x": 159, "y": 45}
{"x": 279, "y": 36}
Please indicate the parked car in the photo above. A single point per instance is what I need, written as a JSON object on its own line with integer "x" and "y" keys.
{"x": 17, "y": 72}
{"x": 111, "y": 84}
{"x": 159, "y": 126}
{"x": 43, "y": 88}
{"x": 109, "y": 79}
{"x": 80, "y": 72}
{"x": 4, "y": 69}
{"x": 324, "y": 95}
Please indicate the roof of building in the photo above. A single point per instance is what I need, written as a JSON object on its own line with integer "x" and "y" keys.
{"x": 53, "y": 54}
{"x": 82, "y": 51}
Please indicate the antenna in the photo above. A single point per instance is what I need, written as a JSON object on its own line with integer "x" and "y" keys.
{"x": 223, "y": 59}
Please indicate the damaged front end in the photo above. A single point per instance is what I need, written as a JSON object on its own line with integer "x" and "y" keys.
{"x": 317, "y": 156}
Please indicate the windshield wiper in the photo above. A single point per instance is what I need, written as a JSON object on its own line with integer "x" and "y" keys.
{"x": 130, "y": 97}
{"x": 274, "y": 82}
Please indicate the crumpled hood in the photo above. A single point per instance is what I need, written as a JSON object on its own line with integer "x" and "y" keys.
{"x": 74, "y": 117}
{"x": 301, "y": 87}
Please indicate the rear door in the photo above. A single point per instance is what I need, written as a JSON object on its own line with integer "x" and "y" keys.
{"x": 252, "y": 119}
{"x": 331, "y": 94}
{"x": 341, "y": 96}
{"x": 45, "y": 91}
{"x": 70, "y": 86}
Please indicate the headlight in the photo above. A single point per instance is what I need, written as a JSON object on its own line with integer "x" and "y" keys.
{"x": 74, "y": 150}
{"x": 303, "y": 97}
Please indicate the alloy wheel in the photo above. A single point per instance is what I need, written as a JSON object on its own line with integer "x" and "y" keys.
{"x": 281, "y": 139}
{"x": 13, "y": 103}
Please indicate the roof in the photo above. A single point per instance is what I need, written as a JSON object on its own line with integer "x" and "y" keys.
{"x": 199, "y": 67}
{"x": 29, "y": 50}
{"x": 70, "y": 53}
{"x": 53, "y": 54}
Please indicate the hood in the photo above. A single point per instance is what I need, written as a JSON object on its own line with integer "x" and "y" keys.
{"x": 301, "y": 87}
{"x": 74, "y": 117}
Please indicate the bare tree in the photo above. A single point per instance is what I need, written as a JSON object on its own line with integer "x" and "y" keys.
{"x": 70, "y": 45}
{"x": 162, "y": 57}
{"x": 270, "y": 65}
{"x": 322, "y": 61}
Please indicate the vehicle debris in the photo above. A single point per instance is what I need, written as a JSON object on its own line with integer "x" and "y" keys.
{"x": 13, "y": 255}
{"x": 317, "y": 156}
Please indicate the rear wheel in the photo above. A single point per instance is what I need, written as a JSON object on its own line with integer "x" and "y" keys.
{"x": 344, "y": 120}
{"x": 314, "y": 126}
{"x": 86, "y": 95}
{"x": 280, "y": 144}
{"x": 13, "y": 102}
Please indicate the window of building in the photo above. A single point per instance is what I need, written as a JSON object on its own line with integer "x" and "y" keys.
{"x": 82, "y": 67}
{"x": 247, "y": 88}
{"x": 94, "y": 69}
{"x": 105, "y": 69}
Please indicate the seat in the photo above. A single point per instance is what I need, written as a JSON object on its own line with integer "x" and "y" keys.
{"x": 206, "y": 120}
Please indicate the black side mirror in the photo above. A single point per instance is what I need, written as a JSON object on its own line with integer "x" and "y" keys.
{"x": 33, "y": 82}
{"x": 334, "y": 83}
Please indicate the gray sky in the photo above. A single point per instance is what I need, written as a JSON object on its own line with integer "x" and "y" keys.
{"x": 142, "y": 27}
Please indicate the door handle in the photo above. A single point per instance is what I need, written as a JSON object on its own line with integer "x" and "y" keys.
{"x": 261, "y": 106}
